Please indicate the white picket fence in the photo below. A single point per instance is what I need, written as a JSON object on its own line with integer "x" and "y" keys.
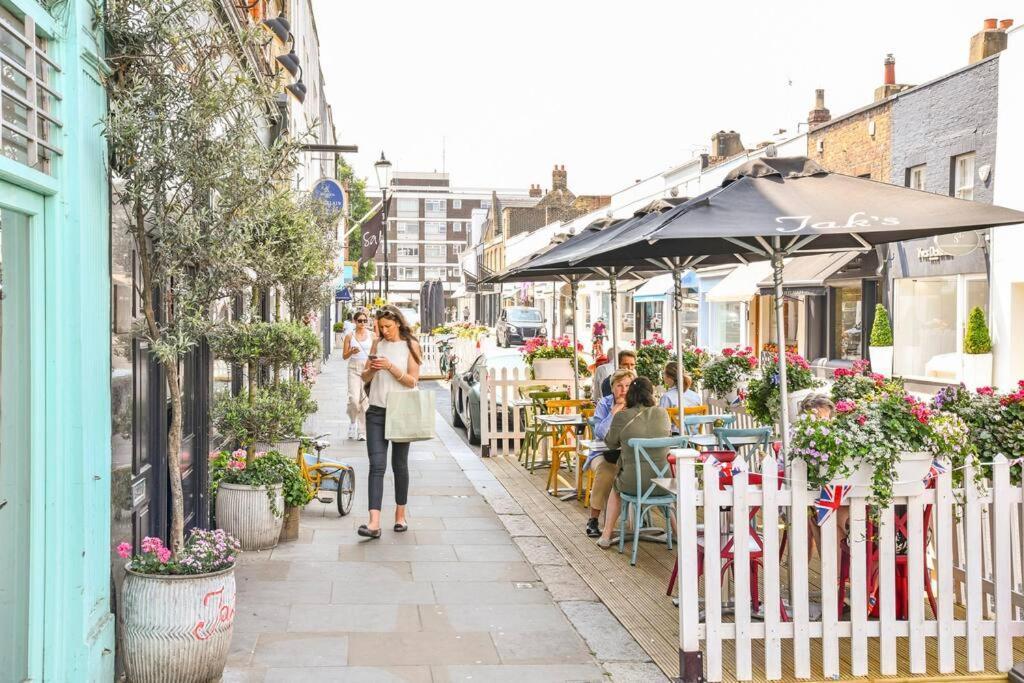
{"x": 503, "y": 422}
{"x": 466, "y": 351}
{"x": 974, "y": 560}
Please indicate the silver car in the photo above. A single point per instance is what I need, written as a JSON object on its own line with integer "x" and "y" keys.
{"x": 465, "y": 388}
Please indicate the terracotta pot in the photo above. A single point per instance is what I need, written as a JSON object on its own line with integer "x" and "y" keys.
{"x": 245, "y": 513}
{"x": 176, "y": 629}
{"x": 290, "y": 527}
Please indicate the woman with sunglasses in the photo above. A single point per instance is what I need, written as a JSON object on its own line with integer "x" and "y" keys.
{"x": 394, "y": 365}
{"x": 356, "y": 350}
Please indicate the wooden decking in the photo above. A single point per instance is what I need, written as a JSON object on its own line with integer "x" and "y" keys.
{"x": 636, "y": 595}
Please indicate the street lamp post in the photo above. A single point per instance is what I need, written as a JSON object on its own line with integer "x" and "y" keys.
{"x": 383, "y": 168}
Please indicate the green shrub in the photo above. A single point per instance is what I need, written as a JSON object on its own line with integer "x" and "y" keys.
{"x": 339, "y": 327}
{"x": 881, "y": 329}
{"x": 274, "y": 413}
{"x": 264, "y": 343}
{"x": 976, "y": 339}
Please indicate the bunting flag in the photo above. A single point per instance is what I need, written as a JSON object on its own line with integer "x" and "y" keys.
{"x": 726, "y": 470}
{"x": 829, "y": 500}
{"x": 934, "y": 471}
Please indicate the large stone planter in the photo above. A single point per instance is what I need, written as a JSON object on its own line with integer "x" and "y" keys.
{"x": 290, "y": 525}
{"x": 977, "y": 370}
{"x": 881, "y": 359}
{"x": 245, "y": 513}
{"x": 910, "y": 473}
{"x": 552, "y": 368}
{"x": 176, "y": 629}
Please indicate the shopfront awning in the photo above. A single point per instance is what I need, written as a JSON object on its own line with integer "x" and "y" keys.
{"x": 806, "y": 275}
{"x": 740, "y": 284}
{"x": 660, "y": 286}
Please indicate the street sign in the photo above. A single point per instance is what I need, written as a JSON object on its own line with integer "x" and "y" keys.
{"x": 329, "y": 191}
{"x": 343, "y": 294}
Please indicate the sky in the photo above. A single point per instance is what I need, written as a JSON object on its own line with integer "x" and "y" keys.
{"x": 498, "y": 92}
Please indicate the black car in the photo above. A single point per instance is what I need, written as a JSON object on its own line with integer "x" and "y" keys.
{"x": 519, "y": 323}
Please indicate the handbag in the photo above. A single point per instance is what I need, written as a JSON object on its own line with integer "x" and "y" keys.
{"x": 410, "y": 416}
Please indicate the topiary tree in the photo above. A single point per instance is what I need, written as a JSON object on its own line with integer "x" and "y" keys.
{"x": 881, "y": 329}
{"x": 976, "y": 338}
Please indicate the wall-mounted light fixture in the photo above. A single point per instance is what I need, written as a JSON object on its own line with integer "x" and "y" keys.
{"x": 280, "y": 27}
{"x": 290, "y": 61}
{"x": 298, "y": 88}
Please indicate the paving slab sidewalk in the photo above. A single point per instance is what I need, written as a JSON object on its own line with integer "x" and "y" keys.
{"x": 471, "y": 592}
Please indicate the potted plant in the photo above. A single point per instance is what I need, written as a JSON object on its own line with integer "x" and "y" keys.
{"x": 651, "y": 357}
{"x": 763, "y": 397}
{"x": 297, "y": 494}
{"x": 339, "y": 333}
{"x": 977, "y": 355}
{"x": 995, "y": 420}
{"x": 852, "y": 384}
{"x": 176, "y": 612}
{"x": 725, "y": 376}
{"x": 552, "y": 359}
{"x": 880, "y": 345}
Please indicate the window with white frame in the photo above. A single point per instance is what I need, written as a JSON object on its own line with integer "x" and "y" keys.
{"x": 727, "y": 319}
{"x": 963, "y": 176}
{"x": 408, "y": 208}
{"x": 433, "y": 230}
{"x": 456, "y": 203}
{"x": 433, "y": 273}
{"x": 435, "y": 208}
{"x": 408, "y": 230}
{"x": 456, "y": 227}
{"x": 915, "y": 177}
{"x": 407, "y": 273}
{"x": 407, "y": 252}
{"x": 929, "y": 320}
{"x": 458, "y": 248}
{"x": 454, "y": 273}
{"x": 435, "y": 253}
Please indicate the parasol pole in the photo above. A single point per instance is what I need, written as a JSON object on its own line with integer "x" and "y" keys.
{"x": 573, "y": 287}
{"x": 780, "y": 334}
{"x": 613, "y": 358}
{"x": 677, "y": 300}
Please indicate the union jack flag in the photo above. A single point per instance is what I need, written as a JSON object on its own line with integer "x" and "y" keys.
{"x": 725, "y": 470}
{"x": 829, "y": 500}
{"x": 934, "y": 471}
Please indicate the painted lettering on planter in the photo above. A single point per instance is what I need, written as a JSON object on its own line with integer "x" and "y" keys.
{"x": 225, "y": 614}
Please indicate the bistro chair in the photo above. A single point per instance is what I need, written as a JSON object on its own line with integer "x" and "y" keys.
{"x": 673, "y": 413}
{"x": 726, "y": 436}
{"x": 696, "y": 424}
{"x": 564, "y": 437}
{"x": 536, "y": 431}
{"x": 646, "y": 499}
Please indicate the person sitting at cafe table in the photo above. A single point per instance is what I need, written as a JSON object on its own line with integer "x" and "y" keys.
{"x": 641, "y": 419}
{"x": 604, "y": 466}
{"x": 627, "y": 361}
{"x": 670, "y": 399}
{"x": 822, "y": 408}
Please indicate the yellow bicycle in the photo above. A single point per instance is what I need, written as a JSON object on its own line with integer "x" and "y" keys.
{"x": 326, "y": 475}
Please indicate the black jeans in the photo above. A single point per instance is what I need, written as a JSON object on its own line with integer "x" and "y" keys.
{"x": 377, "y": 450}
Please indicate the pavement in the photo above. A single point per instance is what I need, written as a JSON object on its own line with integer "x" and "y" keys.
{"x": 473, "y": 591}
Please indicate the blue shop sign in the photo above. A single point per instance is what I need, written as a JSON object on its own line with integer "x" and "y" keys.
{"x": 343, "y": 294}
{"x": 329, "y": 191}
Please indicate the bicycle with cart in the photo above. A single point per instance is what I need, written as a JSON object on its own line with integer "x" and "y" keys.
{"x": 327, "y": 475}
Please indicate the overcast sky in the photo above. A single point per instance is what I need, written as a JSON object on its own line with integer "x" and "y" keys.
{"x": 614, "y": 91}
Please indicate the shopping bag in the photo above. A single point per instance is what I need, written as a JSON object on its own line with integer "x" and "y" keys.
{"x": 410, "y": 416}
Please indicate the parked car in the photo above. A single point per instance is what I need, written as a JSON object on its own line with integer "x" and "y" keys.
{"x": 465, "y": 388}
{"x": 519, "y": 323}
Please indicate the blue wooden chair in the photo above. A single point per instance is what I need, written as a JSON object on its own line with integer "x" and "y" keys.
{"x": 726, "y": 436}
{"x": 645, "y": 499}
{"x": 692, "y": 424}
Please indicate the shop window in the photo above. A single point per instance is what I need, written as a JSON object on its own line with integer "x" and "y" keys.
{"x": 726, "y": 324}
{"x": 847, "y": 322}
{"x": 930, "y": 315}
{"x": 790, "y": 320}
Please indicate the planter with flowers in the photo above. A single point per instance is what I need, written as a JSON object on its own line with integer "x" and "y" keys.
{"x": 725, "y": 377}
{"x": 977, "y": 356}
{"x": 995, "y": 421}
{"x": 763, "y": 398}
{"x": 880, "y": 446}
{"x": 855, "y": 383}
{"x": 552, "y": 359}
{"x": 176, "y": 613}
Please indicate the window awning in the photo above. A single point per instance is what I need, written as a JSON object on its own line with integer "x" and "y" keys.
{"x": 740, "y": 284}
{"x": 806, "y": 275}
{"x": 660, "y": 286}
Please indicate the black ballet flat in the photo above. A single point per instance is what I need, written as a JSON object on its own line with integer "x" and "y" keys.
{"x": 367, "y": 532}
{"x": 401, "y": 526}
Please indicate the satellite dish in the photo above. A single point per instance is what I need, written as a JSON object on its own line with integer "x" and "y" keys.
{"x": 958, "y": 243}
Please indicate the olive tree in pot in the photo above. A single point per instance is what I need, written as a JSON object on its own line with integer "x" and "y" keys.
{"x": 880, "y": 346}
{"x": 977, "y": 356}
{"x": 189, "y": 178}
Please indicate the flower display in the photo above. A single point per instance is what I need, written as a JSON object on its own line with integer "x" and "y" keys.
{"x": 723, "y": 373}
{"x": 204, "y": 551}
{"x": 542, "y": 347}
{"x": 763, "y": 396}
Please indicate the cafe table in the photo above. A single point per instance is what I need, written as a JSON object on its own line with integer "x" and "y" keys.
{"x": 563, "y": 441}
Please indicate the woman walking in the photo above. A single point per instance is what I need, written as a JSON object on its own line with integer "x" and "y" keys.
{"x": 394, "y": 365}
{"x": 356, "y": 350}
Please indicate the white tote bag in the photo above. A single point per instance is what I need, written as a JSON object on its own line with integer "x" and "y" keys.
{"x": 410, "y": 416}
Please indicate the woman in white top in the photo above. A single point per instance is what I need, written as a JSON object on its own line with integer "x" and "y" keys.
{"x": 356, "y": 350}
{"x": 394, "y": 366}
{"x": 670, "y": 399}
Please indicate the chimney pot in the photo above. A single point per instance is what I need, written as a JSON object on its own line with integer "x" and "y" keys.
{"x": 819, "y": 98}
{"x": 1005, "y": 24}
{"x": 990, "y": 24}
{"x": 890, "y": 70}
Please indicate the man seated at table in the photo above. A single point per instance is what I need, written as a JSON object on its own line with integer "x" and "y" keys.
{"x": 627, "y": 361}
{"x": 604, "y": 469}
{"x": 641, "y": 419}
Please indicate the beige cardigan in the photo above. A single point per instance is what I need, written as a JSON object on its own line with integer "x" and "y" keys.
{"x": 649, "y": 423}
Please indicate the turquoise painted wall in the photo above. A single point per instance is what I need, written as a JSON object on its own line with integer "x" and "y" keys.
{"x": 71, "y": 628}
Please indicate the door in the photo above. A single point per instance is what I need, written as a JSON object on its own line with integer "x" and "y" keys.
{"x": 21, "y": 522}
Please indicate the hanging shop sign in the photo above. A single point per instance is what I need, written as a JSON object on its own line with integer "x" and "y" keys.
{"x": 330, "y": 192}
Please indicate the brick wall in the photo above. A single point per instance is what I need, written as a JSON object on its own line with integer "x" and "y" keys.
{"x": 848, "y": 146}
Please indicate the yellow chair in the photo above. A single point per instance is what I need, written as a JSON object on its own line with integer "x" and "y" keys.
{"x": 564, "y": 438}
{"x": 673, "y": 413}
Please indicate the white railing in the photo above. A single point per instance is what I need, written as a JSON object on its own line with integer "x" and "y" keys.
{"x": 972, "y": 559}
{"x": 503, "y": 422}
{"x": 431, "y": 366}
{"x": 465, "y": 350}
